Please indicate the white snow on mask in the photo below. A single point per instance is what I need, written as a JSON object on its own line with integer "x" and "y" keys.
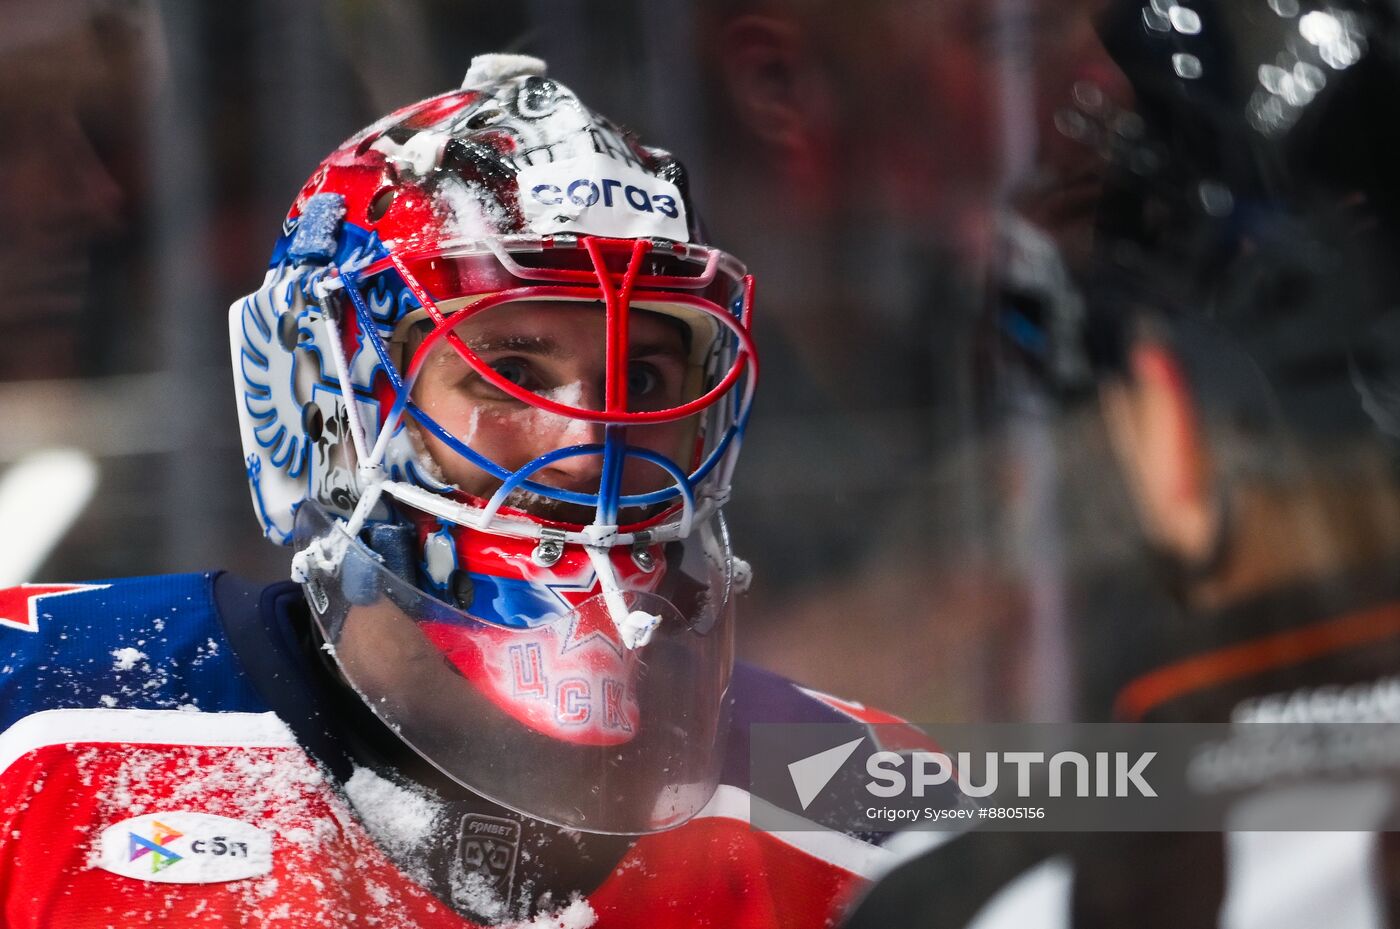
{"x": 423, "y": 457}
{"x": 489, "y": 69}
{"x": 419, "y": 154}
{"x": 567, "y": 394}
{"x": 469, "y": 211}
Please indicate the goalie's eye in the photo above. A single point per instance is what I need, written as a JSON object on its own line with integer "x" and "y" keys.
{"x": 643, "y": 380}
{"x": 517, "y": 371}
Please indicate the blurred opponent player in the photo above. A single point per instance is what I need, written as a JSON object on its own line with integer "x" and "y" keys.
{"x": 1242, "y": 344}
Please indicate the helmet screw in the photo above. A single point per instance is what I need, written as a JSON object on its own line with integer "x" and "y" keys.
{"x": 550, "y": 548}
{"x": 642, "y": 556}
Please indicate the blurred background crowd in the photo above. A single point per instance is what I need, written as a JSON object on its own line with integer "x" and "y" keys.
{"x": 885, "y": 167}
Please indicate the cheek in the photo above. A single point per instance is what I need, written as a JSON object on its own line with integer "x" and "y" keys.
{"x": 670, "y": 439}
{"x": 510, "y": 439}
{"x": 464, "y": 421}
{"x": 467, "y": 424}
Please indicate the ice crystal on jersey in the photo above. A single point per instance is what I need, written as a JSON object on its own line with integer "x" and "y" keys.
{"x": 126, "y": 658}
{"x": 577, "y": 914}
{"x": 400, "y": 818}
{"x": 326, "y": 860}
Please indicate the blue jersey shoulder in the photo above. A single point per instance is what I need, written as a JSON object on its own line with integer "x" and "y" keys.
{"x": 760, "y": 696}
{"x": 135, "y": 643}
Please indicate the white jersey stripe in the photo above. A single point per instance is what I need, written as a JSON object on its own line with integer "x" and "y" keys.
{"x": 138, "y": 727}
{"x": 852, "y": 854}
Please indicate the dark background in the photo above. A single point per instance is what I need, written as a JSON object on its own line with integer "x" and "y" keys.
{"x": 149, "y": 150}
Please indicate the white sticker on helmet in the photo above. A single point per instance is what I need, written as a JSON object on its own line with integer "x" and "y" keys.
{"x": 597, "y": 195}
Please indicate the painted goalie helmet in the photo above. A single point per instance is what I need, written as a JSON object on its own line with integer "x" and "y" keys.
{"x": 492, "y": 389}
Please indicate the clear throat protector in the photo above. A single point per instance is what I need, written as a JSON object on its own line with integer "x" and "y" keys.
{"x": 588, "y": 693}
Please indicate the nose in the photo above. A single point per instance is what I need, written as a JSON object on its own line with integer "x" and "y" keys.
{"x": 582, "y": 473}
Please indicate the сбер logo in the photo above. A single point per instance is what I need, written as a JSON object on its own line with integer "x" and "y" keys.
{"x": 162, "y": 856}
{"x": 182, "y": 847}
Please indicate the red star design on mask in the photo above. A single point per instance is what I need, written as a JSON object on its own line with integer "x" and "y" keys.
{"x": 19, "y": 606}
{"x": 594, "y": 622}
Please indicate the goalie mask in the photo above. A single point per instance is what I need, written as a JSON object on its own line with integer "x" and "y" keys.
{"x": 492, "y": 389}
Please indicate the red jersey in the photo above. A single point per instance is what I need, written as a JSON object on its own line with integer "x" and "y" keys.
{"x": 144, "y": 781}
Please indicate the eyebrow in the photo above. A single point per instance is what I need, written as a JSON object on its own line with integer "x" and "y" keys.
{"x": 533, "y": 345}
{"x": 548, "y": 347}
